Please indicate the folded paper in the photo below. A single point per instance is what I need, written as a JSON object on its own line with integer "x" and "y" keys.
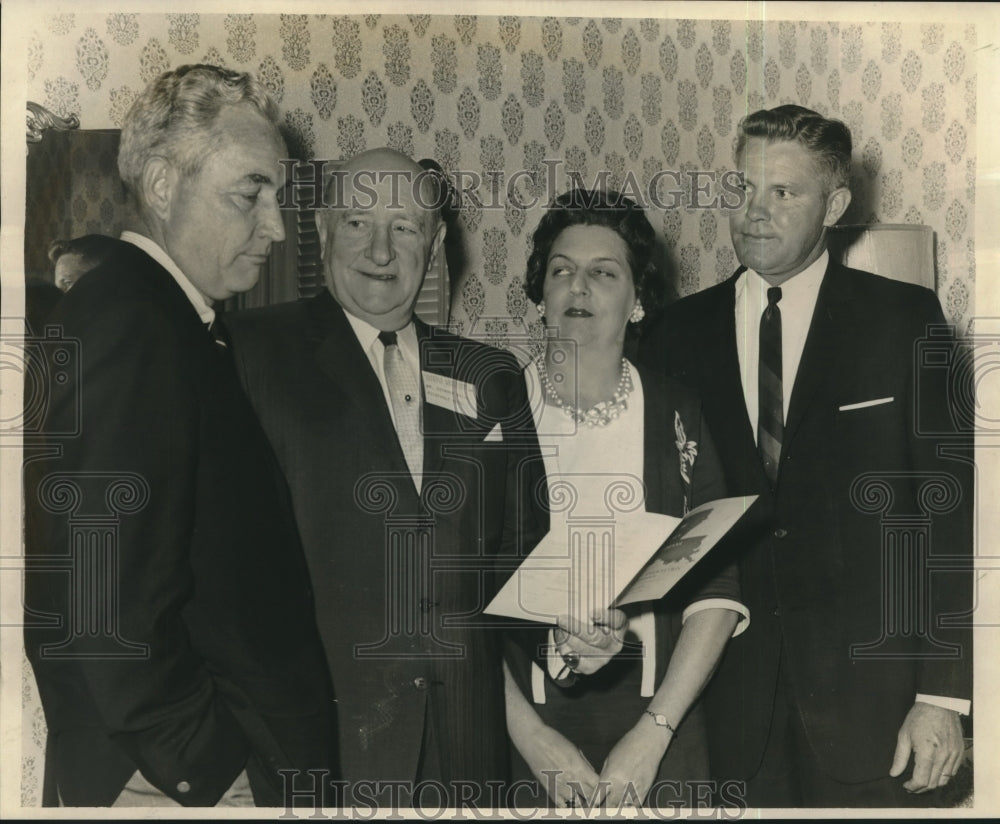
{"x": 587, "y": 564}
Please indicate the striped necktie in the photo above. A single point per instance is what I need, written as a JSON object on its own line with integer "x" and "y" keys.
{"x": 404, "y": 392}
{"x": 770, "y": 397}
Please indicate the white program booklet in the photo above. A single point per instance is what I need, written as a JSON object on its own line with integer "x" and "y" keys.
{"x": 587, "y": 564}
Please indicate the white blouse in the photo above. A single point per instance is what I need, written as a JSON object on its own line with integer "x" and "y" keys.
{"x": 593, "y": 473}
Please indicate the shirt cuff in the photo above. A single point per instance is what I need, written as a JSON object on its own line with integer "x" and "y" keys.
{"x": 553, "y": 660}
{"x": 960, "y": 705}
{"x": 721, "y": 603}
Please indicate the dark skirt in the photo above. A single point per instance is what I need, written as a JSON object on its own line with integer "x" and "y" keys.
{"x": 599, "y": 709}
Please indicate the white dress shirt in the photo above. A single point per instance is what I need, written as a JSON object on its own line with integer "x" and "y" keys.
{"x": 798, "y": 303}
{"x": 200, "y": 303}
{"x": 406, "y": 340}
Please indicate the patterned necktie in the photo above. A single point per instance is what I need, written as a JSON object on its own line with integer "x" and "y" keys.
{"x": 770, "y": 397}
{"x": 404, "y": 392}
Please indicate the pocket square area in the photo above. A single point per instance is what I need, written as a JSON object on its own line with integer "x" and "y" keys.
{"x": 847, "y": 407}
{"x": 495, "y": 435}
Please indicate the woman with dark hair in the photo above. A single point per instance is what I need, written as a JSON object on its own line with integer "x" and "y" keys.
{"x": 612, "y": 703}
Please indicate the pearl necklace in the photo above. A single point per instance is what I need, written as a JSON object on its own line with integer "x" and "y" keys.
{"x": 602, "y": 413}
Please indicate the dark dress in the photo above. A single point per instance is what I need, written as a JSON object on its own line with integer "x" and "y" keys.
{"x": 597, "y": 710}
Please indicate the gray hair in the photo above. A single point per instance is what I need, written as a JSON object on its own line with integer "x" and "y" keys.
{"x": 175, "y": 115}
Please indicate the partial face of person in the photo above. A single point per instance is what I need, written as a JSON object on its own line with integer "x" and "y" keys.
{"x": 381, "y": 239}
{"x": 221, "y": 222}
{"x": 781, "y": 229}
{"x": 69, "y": 268}
{"x": 588, "y": 290}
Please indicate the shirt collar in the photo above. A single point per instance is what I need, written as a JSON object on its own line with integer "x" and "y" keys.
{"x": 805, "y": 282}
{"x": 157, "y": 253}
{"x": 406, "y": 338}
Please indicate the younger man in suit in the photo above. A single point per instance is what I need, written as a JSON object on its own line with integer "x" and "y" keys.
{"x": 395, "y": 438}
{"x": 178, "y": 662}
{"x": 807, "y": 374}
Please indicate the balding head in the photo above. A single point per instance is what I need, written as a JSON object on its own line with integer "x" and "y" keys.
{"x": 352, "y": 183}
{"x": 380, "y": 234}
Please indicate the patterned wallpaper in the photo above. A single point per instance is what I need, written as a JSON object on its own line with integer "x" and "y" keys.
{"x": 557, "y": 95}
{"x": 534, "y": 100}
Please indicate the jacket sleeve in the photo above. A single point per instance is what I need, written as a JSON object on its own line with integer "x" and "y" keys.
{"x": 525, "y": 524}
{"x": 717, "y": 575}
{"x": 139, "y": 417}
{"x": 941, "y": 446}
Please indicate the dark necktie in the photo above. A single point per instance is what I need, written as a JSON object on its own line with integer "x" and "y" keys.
{"x": 770, "y": 397}
{"x": 404, "y": 392}
{"x": 217, "y": 332}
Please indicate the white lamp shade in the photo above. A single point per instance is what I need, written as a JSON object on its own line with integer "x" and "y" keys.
{"x": 894, "y": 250}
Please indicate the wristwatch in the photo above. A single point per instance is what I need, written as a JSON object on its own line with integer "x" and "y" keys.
{"x": 661, "y": 720}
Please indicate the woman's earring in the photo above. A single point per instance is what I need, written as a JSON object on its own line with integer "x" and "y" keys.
{"x": 638, "y": 313}
{"x": 540, "y": 306}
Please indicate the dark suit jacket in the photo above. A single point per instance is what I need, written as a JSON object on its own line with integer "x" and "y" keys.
{"x": 399, "y": 578}
{"x": 813, "y": 575}
{"x": 153, "y": 454}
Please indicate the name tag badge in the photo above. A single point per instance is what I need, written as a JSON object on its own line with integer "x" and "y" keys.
{"x": 448, "y": 393}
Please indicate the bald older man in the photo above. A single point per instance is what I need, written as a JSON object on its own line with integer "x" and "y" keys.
{"x": 396, "y": 440}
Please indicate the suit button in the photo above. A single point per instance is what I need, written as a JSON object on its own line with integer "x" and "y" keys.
{"x": 183, "y": 787}
{"x": 780, "y": 533}
{"x": 776, "y": 612}
{"x": 420, "y": 683}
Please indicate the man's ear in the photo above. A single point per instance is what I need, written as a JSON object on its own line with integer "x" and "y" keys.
{"x": 836, "y": 204}
{"x": 158, "y": 182}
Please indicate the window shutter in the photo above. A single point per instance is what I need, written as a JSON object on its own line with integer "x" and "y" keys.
{"x": 307, "y": 189}
{"x": 309, "y": 264}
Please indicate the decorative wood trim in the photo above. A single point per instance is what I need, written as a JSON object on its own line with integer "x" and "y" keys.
{"x": 40, "y": 119}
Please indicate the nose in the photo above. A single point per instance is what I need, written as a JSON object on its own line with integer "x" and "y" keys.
{"x": 270, "y": 224}
{"x": 578, "y": 285}
{"x": 380, "y": 248}
{"x": 756, "y": 208}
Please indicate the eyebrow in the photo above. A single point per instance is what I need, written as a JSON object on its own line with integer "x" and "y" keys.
{"x": 401, "y": 215}
{"x": 773, "y": 184}
{"x": 592, "y": 260}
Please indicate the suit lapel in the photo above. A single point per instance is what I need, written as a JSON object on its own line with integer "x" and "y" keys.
{"x": 443, "y": 426}
{"x": 723, "y": 391}
{"x": 830, "y": 326}
{"x": 655, "y": 430}
{"x": 437, "y": 421}
{"x": 340, "y": 357}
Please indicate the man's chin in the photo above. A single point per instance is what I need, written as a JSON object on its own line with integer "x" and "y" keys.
{"x": 380, "y": 314}
{"x": 752, "y": 259}
{"x": 243, "y": 282}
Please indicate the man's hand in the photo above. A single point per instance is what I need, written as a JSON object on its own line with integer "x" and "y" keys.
{"x": 633, "y": 762}
{"x": 595, "y": 642}
{"x": 934, "y": 735}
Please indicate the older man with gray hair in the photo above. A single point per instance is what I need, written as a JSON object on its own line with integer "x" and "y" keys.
{"x": 179, "y": 664}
